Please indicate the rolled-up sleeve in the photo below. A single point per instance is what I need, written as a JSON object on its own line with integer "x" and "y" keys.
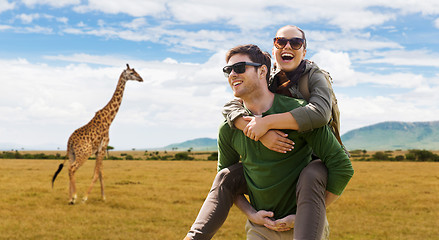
{"x": 232, "y": 110}
{"x": 317, "y": 112}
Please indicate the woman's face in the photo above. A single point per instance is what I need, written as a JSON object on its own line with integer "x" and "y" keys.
{"x": 287, "y": 58}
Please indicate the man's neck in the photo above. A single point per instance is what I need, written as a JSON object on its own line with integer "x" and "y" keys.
{"x": 259, "y": 103}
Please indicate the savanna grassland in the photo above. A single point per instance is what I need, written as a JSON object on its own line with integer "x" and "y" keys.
{"x": 160, "y": 200}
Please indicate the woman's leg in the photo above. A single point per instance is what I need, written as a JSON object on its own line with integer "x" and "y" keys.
{"x": 228, "y": 183}
{"x": 311, "y": 209}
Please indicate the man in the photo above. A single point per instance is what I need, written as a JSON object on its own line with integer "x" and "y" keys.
{"x": 271, "y": 177}
{"x": 296, "y": 77}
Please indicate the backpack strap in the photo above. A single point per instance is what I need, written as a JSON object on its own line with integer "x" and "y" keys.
{"x": 303, "y": 86}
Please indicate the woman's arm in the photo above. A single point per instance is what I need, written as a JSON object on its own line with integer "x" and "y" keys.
{"x": 274, "y": 140}
{"x": 316, "y": 113}
{"x": 234, "y": 110}
{"x": 263, "y": 217}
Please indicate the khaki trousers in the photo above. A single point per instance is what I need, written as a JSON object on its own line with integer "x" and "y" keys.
{"x": 230, "y": 182}
{"x": 258, "y": 232}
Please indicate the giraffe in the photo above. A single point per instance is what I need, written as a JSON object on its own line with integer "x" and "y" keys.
{"x": 93, "y": 138}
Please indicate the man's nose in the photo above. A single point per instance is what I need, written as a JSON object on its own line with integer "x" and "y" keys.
{"x": 233, "y": 73}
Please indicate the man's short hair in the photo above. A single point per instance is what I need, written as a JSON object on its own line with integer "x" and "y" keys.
{"x": 255, "y": 54}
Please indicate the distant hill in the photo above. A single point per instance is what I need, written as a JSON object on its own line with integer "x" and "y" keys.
{"x": 199, "y": 144}
{"x": 380, "y": 136}
{"x": 394, "y": 135}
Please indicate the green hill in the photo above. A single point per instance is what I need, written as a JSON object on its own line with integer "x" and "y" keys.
{"x": 199, "y": 144}
{"x": 380, "y": 136}
{"x": 394, "y": 135}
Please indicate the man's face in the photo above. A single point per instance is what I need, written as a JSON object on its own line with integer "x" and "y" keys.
{"x": 287, "y": 58}
{"x": 244, "y": 83}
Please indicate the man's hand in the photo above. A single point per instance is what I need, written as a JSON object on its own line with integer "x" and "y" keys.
{"x": 256, "y": 128}
{"x": 276, "y": 140}
{"x": 262, "y": 217}
{"x": 284, "y": 224}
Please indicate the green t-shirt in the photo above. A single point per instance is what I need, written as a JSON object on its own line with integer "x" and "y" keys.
{"x": 271, "y": 176}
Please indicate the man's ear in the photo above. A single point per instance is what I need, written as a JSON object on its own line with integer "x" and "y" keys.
{"x": 263, "y": 71}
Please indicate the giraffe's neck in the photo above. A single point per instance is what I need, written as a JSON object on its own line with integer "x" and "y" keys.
{"x": 108, "y": 113}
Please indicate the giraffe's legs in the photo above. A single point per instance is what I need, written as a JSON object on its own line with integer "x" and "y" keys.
{"x": 97, "y": 174}
{"x": 101, "y": 176}
{"x": 72, "y": 187}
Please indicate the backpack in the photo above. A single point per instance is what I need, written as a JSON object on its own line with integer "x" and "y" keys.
{"x": 334, "y": 122}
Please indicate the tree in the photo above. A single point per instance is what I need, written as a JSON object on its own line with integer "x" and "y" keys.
{"x": 381, "y": 156}
{"x": 421, "y": 156}
{"x": 183, "y": 156}
{"x": 108, "y": 150}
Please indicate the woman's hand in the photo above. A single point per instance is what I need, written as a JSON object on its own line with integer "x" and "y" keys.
{"x": 277, "y": 141}
{"x": 256, "y": 127}
{"x": 284, "y": 224}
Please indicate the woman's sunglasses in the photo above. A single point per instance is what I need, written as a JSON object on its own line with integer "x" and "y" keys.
{"x": 238, "y": 67}
{"x": 295, "y": 43}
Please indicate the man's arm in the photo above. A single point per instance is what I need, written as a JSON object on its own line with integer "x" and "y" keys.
{"x": 330, "y": 198}
{"x": 263, "y": 217}
{"x": 340, "y": 171}
{"x": 227, "y": 154}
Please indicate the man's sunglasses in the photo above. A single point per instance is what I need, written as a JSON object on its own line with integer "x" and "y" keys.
{"x": 295, "y": 43}
{"x": 238, "y": 67}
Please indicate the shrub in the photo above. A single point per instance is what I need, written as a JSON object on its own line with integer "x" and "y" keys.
{"x": 381, "y": 156}
{"x": 213, "y": 156}
{"x": 183, "y": 156}
{"x": 422, "y": 156}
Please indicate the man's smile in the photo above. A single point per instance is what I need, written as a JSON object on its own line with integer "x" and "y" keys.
{"x": 236, "y": 83}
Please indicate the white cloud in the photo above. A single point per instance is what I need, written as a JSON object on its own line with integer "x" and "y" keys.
{"x": 180, "y": 40}
{"x": 404, "y": 58}
{"x": 5, "y": 5}
{"x": 37, "y": 29}
{"x": 5, "y": 27}
{"x": 412, "y": 106}
{"x": 338, "y": 64}
{"x": 174, "y": 97}
{"x": 137, "y": 8}
{"x": 427, "y": 7}
{"x": 53, "y": 3}
{"x": 29, "y": 18}
{"x": 62, "y": 20}
{"x": 436, "y": 23}
{"x": 136, "y": 23}
{"x": 347, "y": 41}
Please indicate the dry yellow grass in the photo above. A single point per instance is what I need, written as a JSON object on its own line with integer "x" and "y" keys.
{"x": 160, "y": 200}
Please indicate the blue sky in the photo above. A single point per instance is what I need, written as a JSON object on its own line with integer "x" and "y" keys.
{"x": 60, "y": 61}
